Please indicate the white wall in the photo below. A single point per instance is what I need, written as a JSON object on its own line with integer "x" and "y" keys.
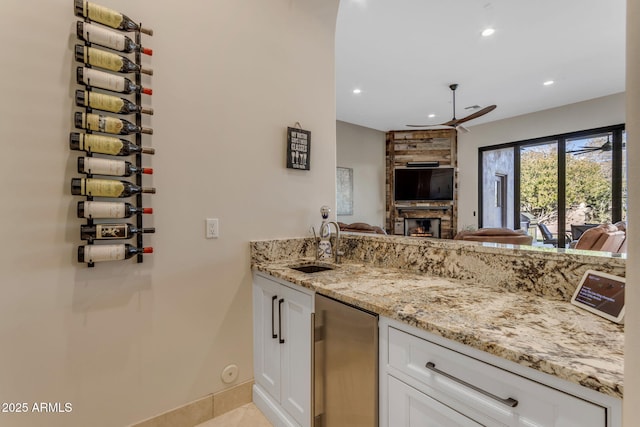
{"x": 363, "y": 149}
{"x": 605, "y": 111}
{"x": 631, "y": 407}
{"x": 124, "y": 341}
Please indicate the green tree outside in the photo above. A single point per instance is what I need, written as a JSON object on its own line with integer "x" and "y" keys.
{"x": 588, "y": 181}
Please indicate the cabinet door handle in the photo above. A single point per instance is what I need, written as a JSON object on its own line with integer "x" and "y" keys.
{"x": 273, "y": 328}
{"x": 508, "y": 401}
{"x": 280, "y": 319}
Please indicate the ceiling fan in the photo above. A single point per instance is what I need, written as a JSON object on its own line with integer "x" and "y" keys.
{"x": 456, "y": 123}
{"x": 607, "y": 146}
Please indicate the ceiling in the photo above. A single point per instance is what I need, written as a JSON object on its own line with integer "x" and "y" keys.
{"x": 404, "y": 54}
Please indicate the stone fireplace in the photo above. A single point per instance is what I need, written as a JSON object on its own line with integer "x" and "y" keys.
{"x": 422, "y": 227}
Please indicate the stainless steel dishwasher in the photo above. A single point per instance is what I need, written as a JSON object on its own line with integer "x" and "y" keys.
{"x": 345, "y": 365}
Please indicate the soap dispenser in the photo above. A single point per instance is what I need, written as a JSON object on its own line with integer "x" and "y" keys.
{"x": 324, "y": 246}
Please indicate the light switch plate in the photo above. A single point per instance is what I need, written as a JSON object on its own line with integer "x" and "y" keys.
{"x": 211, "y": 231}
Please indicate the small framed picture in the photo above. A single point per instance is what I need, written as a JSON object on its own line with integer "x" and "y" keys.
{"x": 344, "y": 191}
{"x": 298, "y": 149}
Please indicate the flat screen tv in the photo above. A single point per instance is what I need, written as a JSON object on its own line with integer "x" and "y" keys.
{"x": 423, "y": 184}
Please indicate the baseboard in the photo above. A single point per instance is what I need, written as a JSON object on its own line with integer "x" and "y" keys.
{"x": 270, "y": 409}
{"x": 203, "y": 409}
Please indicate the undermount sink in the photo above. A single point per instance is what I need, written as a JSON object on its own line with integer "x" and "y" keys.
{"x": 312, "y": 268}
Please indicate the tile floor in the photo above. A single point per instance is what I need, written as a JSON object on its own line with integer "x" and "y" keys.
{"x": 245, "y": 416}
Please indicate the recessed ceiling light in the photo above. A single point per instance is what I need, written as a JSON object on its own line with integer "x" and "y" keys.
{"x": 431, "y": 116}
{"x": 487, "y": 32}
{"x": 357, "y": 91}
{"x": 548, "y": 83}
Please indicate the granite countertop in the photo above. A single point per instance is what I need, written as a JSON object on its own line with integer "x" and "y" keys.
{"x": 551, "y": 336}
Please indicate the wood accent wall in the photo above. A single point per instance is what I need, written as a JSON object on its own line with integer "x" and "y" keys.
{"x": 421, "y": 146}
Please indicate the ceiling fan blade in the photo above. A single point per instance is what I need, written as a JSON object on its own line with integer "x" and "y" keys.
{"x": 442, "y": 126}
{"x": 584, "y": 150}
{"x": 455, "y": 123}
{"x": 475, "y": 115}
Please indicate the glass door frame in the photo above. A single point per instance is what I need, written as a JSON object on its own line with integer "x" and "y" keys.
{"x": 560, "y": 140}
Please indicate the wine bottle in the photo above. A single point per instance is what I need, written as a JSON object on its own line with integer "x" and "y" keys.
{"x": 96, "y": 166}
{"x": 93, "y": 210}
{"x": 100, "y": 123}
{"x": 108, "y": 17}
{"x": 106, "y": 188}
{"x": 105, "y": 145}
{"x": 98, "y": 35}
{"x": 103, "y": 80}
{"x": 111, "y": 231}
{"x": 108, "y": 61}
{"x": 99, "y": 253}
{"x": 113, "y": 104}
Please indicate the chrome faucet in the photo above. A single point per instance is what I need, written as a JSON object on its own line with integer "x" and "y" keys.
{"x": 337, "y": 245}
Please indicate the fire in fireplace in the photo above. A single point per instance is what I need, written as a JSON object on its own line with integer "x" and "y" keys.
{"x": 422, "y": 227}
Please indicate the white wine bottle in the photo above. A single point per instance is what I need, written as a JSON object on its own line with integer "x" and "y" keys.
{"x": 106, "y": 188}
{"x": 113, "y": 104}
{"x": 111, "y": 231}
{"x": 113, "y": 82}
{"x": 96, "y": 34}
{"x": 99, "y": 253}
{"x": 92, "y": 210}
{"x": 107, "y": 60}
{"x": 111, "y": 145}
{"x": 101, "y": 123}
{"x": 108, "y": 17}
{"x": 97, "y": 166}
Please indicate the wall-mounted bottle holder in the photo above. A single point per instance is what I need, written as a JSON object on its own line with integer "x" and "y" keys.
{"x": 137, "y": 198}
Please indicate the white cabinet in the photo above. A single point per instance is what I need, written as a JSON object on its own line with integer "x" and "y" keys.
{"x": 429, "y": 381}
{"x": 282, "y": 351}
{"x": 411, "y": 408}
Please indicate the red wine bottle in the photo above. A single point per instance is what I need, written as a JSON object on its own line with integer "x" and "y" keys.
{"x": 100, "y": 123}
{"x": 111, "y": 231}
{"x": 99, "y": 253}
{"x": 107, "y": 60}
{"x": 113, "y": 104}
{"x": 92, "y": 143}
{"x": 108, "y": 17}
{"x": 91, "y": 210}
{"x": 103, "y": 80}
{"x": 106, "y": 188}
{"x": 97, "y": 166}
{"x": 96, "y": 34}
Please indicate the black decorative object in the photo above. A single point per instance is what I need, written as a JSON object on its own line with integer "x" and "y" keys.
{"x": 298, "y": 148}
{"x": 423, "y": 164}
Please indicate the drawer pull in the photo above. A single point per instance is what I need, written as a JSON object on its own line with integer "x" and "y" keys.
{"x": 281, "y": 340}
{"x": 273, "y": 329}
{"x": 508, "y": 401}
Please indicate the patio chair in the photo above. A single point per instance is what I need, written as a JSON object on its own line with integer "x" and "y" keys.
{"x": 547, "y": 237}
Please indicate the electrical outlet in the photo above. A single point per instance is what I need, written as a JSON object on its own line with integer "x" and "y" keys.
{"x": 212, "y": 231}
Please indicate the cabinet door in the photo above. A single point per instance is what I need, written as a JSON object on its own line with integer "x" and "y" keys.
{"x": 266, "y": 363}
{"x": 296, "y": 356}
{"x": 475, "y": 388}
{"x": 410, "y": 408}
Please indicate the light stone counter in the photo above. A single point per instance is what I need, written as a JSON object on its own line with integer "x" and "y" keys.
{"x": 532, "y": 325}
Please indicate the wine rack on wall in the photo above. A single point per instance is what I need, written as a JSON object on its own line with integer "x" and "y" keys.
{"x": 109, "y": 131}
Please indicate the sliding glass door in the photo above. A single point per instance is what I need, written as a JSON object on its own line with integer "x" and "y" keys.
{"x": 556, "y": 187}
{"x": 498, "y": 183}
{"x": 539, "y": 198}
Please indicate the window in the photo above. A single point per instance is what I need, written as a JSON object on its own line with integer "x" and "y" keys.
{"x": 561, "y": 181}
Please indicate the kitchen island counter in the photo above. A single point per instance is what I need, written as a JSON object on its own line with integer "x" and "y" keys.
{"x": 546, "y": 334}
